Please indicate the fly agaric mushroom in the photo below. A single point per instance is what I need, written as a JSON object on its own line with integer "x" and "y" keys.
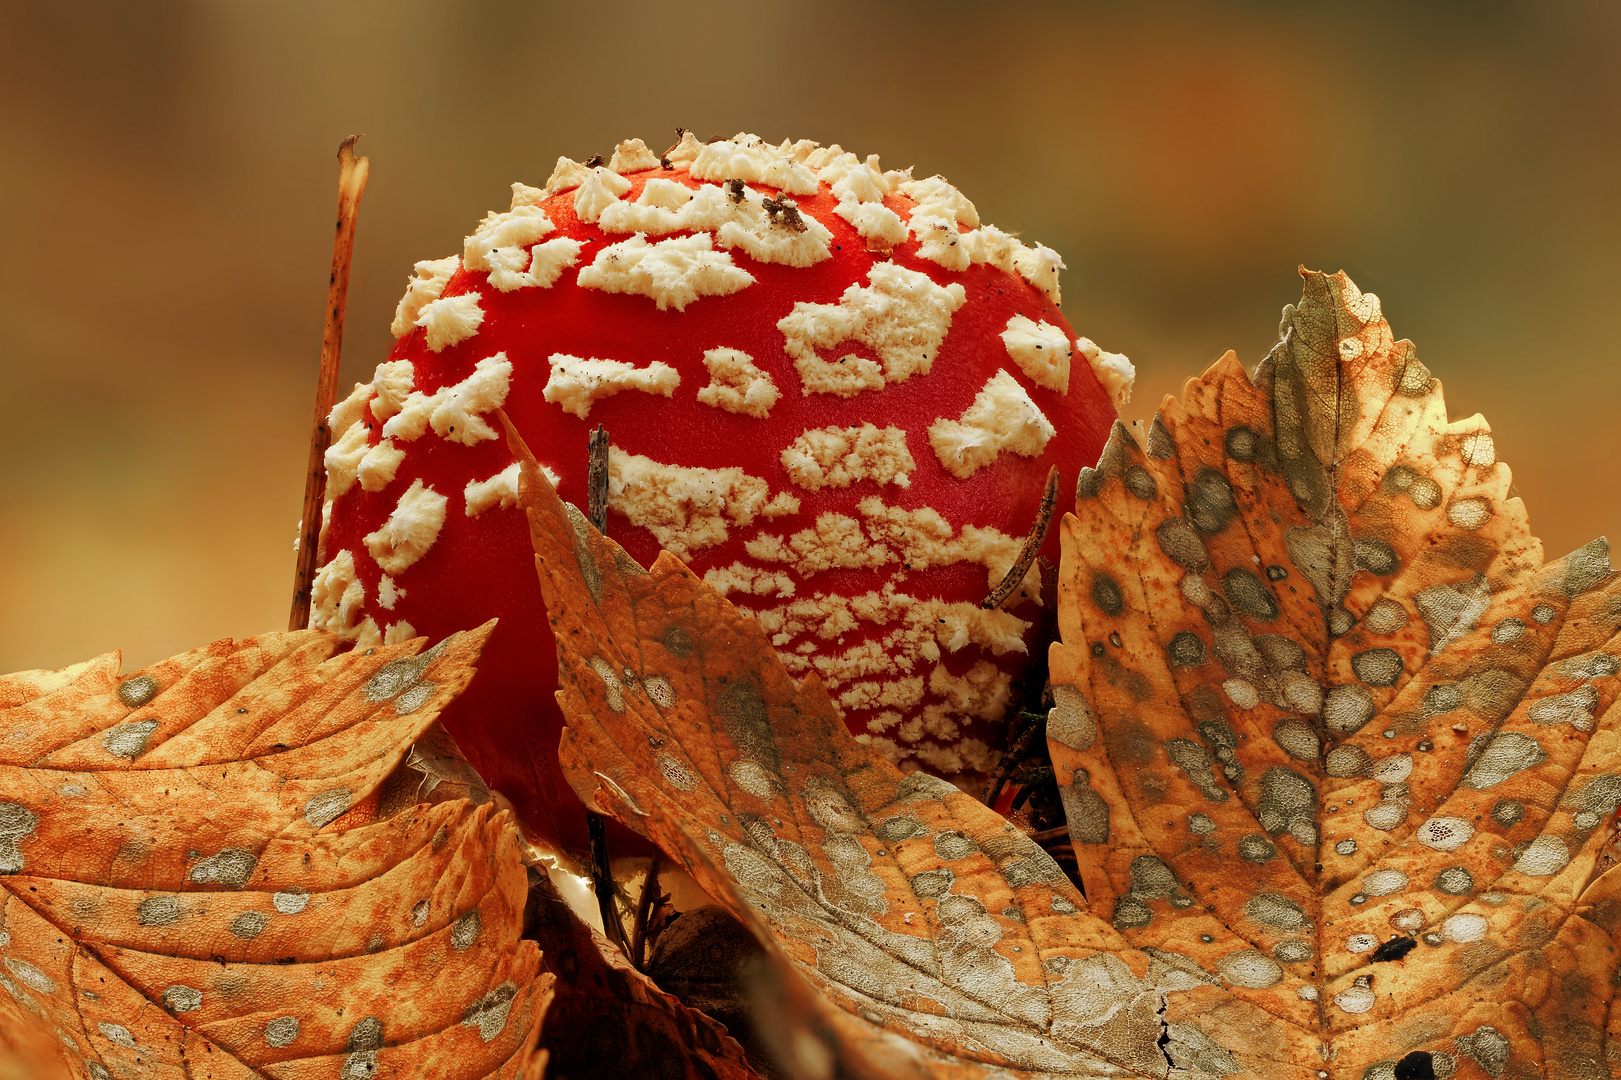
{"x": 830, "y": 389}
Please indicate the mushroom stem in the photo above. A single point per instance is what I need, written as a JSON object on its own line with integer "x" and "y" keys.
{"x": 1032, "y": 546}
{"x": 352, "y": 174}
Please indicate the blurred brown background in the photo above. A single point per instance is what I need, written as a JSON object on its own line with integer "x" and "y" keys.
{"x": 167, "y": 186}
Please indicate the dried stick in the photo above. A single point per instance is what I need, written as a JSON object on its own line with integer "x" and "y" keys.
{"x": 352, "y": 174}
{"x": 602, "y": 880}
{"x": 596, "y": 486}
{"x": 644, "y": 907}
{"x": 596, "y": 481}
{"x": 1032, "y": 546}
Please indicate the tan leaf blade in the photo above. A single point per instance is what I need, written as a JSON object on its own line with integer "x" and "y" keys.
{"x": 942, "y": 940}
{"x": 201, "y": 879}
{"x": 1327, "y": 729}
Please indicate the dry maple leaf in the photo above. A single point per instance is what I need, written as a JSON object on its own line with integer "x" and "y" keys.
{"x": 1329, "y": 731}
{"x": 201, "y": 879}
{"x": 928, "y": 923}
{"x": 1338, "y": 753}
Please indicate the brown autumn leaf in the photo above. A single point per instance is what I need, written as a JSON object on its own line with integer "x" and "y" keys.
{"x": 1329, "y": 730}
{"x": 1391, "y": 864}
{"x": 200, "y": 882}
{"x": 925, "y": 921}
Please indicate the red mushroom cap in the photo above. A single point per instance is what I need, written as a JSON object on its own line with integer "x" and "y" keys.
{"x": 829, "y": 389}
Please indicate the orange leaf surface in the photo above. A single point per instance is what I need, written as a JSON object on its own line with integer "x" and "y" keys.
{"x": 942, "y": 941}
{"x": 1338, "y": 753}
{"x": 200, "y": 880}
{"x": 1327, "y": 728}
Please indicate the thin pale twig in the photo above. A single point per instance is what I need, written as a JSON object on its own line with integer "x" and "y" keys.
{"x": 352, "y": 174}
{"x": 1047, "y": 836}
{"x": 1032, "y": 546}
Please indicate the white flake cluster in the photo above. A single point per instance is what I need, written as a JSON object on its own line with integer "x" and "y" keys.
{"x": 737, "y": 385}
{"x": 903, "y": 316}
{"x": 1113, "y": 370}
{"x": 1041, "y": 350}
{"x": 1002, "y": 417}
{"x": 450, "y": 320}
{"x": 499, "y": 491}
{"x": 687, "y": 509}
{"x": 577, "y": 382}
{"x": 455, "y": 412}
{"x": 506, "y": 246}
{"x": 600, "y": 189}
{"x": 752, "y": 159}
{"x": 632, "y": 155}
{"x": 425, "y": 285}
{"x": 767, "y": 229}
{"x": 673, "y": 273}
{"x": 410, "y": 530}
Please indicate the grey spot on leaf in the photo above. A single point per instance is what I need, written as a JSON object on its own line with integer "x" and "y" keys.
{"x": 129, "y": 740}
{"x": 1085, "y": 810}
{"x": 1454, "y": 881}
{"x": 1186, "y": 650}
{"x": 1277, "y": 911}
{"x": 281, "y": 1031}
{"x": 1586, "y": 567}
{"x": 17, "y": 823}
{"x": 1071, "y": 720}
{"x": 138, "y": 691}
{"x": 464, "y": 932}
{"x": 1106, "y": 594}
{"x": 1181, "y": 544}
{"x": 1507, "y": 753}
{"x": 954, "y": 845}
{"x": 249, "y": 924}
{"x": 1249, "y": 595}
{"x": 231, "y": 868}
{"x": 489, "y": 1013}
{"x": 413, "y": 699}
{"x": 326, "y": 807}
{"x": 182, "y": 999}
{"x": 893, "y": 830}
{"x": 290, "y": 903}
{"x": 1451, "y": 611}
{"x": 1347, "y": 708}
{"x": 1256, "y": 848}
{"x": 30, "y": 976}
{"x": 158, "y": 911}
{"x": 1377, "y": 667}
{"x": 1575, "y": 708}
{"x": 1210, "y": 504}
{"x": 1250, "y": 969}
